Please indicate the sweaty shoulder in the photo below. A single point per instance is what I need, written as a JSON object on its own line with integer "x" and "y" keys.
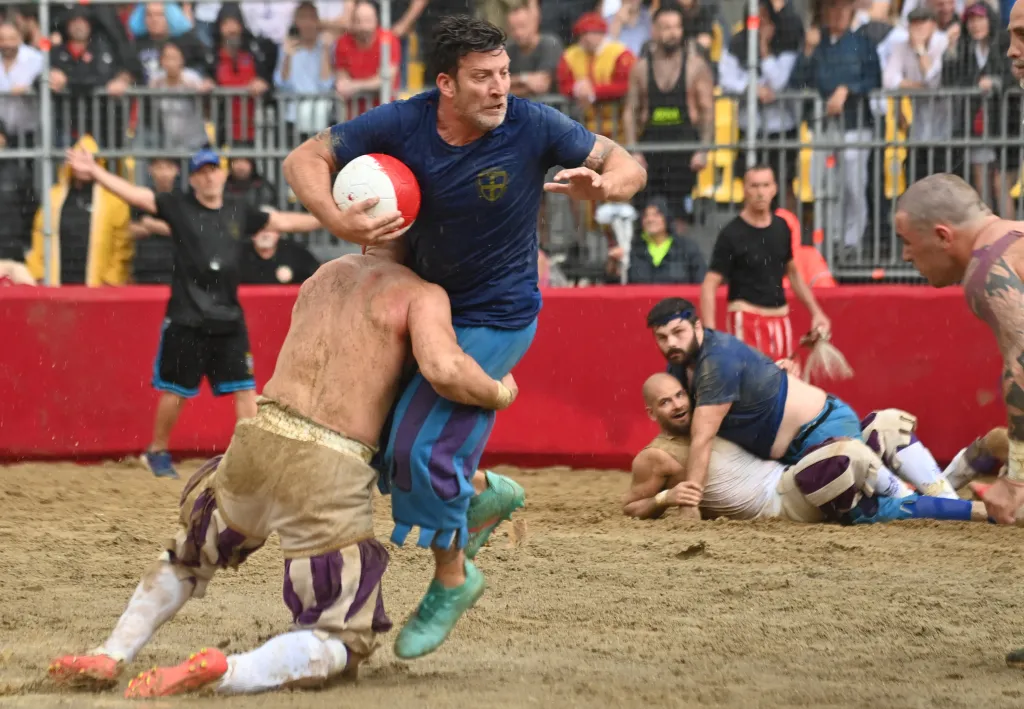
{"x": 655, "y": 461}
{"x": 382, "y": 129}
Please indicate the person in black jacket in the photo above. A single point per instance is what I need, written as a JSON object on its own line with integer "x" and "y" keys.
{"x": 86, "y": 62}
{"x": 660, "y": 256}
{"x": 271, "y": 260}
{"x": 977, "y": 59}
{"x": 147, "y": 47}
{"x": 246, "y": 183}
{"x": 18, "y": 204}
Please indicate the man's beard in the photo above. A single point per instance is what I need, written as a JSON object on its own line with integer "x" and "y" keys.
{"x": 670, "y": 47}
{"x": 683, "y": 357}
{"x": 675, "y": 428}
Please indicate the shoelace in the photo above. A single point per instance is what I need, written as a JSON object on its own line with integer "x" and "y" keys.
{"x": 430, "y": 606}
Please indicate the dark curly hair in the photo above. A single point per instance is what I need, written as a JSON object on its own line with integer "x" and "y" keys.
{"x": 667, "y": 310}
{"x": 456, "y": 36}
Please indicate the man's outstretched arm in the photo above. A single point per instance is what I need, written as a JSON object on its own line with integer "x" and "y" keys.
{"x": 454, "y": 374}
{"x": 142, "y": 198}
{"x": 621, "y": 175}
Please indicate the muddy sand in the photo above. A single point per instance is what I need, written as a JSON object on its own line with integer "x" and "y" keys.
{"x": 589, "y": 610}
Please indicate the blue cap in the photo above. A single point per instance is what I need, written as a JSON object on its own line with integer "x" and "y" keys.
{"x": 203, "y": 158}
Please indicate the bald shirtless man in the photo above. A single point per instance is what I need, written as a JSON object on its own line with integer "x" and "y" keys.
{"x": 742, "y": 486}
{"x": 301, "y": 468}
{"x": 740, "y": 395}
{"x": 952, "y": 237}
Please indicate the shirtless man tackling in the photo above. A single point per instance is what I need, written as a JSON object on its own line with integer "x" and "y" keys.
{"x": 742, "y": 486}
{"x": 952, "y": 237}
{"x": 740, "y": 395}
{"x": 301, "y": 468}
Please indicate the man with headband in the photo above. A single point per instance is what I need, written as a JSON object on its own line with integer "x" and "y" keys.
{"x": 740, "y": 395}
{"x": 833, "y": 482}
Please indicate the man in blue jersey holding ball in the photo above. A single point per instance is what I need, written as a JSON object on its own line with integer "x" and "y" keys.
{"x": 480, "y": 157}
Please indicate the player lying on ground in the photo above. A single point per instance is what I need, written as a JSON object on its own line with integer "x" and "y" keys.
{"x": 835, "y": 481}
{"x": 739, "y": 394}
{"x": 301, "y": 468}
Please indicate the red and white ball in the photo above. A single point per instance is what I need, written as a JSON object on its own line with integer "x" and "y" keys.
{"x": 378, "y": 175}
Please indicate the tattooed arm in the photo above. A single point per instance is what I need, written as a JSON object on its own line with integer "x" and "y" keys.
{"x": 621, "y": 175}
{"x": 1000, "y": 303}
{"x": 309, "y": 169}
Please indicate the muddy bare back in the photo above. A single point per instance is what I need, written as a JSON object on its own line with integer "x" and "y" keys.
{"x": 342, "y": 359}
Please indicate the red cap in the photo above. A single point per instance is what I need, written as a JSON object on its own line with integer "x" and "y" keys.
{"x": 590, "y": 22}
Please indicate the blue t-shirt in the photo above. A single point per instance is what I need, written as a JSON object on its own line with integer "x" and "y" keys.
{"x": 729, "y": 371}
{"x": 476, "y": 233}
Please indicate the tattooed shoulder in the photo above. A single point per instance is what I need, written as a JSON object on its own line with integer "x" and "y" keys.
{"x": 1003, "y": 309}
{"x": 603, "y": 147}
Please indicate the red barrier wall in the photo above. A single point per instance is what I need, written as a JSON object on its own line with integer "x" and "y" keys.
{"x": 75, "y": 367}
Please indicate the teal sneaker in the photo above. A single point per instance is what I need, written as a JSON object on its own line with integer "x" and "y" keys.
{"x": 437, "y": 615}
{"x": 490, "y": 508}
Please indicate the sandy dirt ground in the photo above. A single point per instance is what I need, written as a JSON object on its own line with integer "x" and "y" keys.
{"x": 591, "y": 610}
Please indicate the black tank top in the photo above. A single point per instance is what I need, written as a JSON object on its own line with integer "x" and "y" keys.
{"x": 668, "y": 117}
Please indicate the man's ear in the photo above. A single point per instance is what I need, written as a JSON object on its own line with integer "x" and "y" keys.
{"x": 945, "y": 235}
{"x": 446, "y": 85}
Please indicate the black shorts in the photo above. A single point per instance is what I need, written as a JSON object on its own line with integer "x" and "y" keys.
{"x": 187, "y": 354}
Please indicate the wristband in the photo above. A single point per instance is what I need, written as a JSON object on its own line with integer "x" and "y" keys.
{"x": 1015, "y": 462}
{"x": 504, "y": 397}
{"x": 661, "y": 498}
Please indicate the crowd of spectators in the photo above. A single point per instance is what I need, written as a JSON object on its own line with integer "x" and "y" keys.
{"x": 175, "y": 77}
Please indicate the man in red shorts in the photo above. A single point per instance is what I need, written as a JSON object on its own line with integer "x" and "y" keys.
{"x": 753, "y": 253}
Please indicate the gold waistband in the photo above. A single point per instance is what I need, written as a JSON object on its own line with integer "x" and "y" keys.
{"x": 279, "y": 420}
{"x": 742, "y": 306}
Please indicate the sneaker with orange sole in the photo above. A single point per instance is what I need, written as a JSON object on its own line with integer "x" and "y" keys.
{"x": 86, "y": 671}
{"x": 200, "y": 669}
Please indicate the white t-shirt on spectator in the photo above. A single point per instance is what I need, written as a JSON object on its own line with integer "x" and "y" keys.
{"x": 20, "y": 114}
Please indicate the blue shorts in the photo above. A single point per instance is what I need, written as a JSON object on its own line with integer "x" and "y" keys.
{"x": 835, "y": 420}
{"x": 434, "y": 445}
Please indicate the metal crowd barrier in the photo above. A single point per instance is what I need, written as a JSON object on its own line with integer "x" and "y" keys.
{"x": 841, "y": 181}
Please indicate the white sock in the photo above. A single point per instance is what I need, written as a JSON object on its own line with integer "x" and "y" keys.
{"x": 918, "y": 467}
{"x": 157, "y": 598}
{"x": 292, "y": 657}
{"x": 889, "y": 485}
{"x": 959, "y": 472}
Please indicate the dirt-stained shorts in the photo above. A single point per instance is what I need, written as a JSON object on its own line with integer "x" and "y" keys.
{"x": 829, "y": 480}
{"x": 284, "y": 473}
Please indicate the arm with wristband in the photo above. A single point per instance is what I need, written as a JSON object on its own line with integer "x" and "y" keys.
{"x": 454, "y": 374}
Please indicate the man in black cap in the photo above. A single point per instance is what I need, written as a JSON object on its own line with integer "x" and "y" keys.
{"x": 204, "y": 333}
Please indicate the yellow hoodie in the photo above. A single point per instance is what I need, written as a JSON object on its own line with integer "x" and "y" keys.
{"x": 111, "y": 247}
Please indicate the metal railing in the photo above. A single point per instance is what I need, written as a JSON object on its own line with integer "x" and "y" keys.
{"x": 841, "y": 180}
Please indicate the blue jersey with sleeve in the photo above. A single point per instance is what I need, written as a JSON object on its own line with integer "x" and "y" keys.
{"x": 476, "y": 233}
{"x": 728, "y": 371}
